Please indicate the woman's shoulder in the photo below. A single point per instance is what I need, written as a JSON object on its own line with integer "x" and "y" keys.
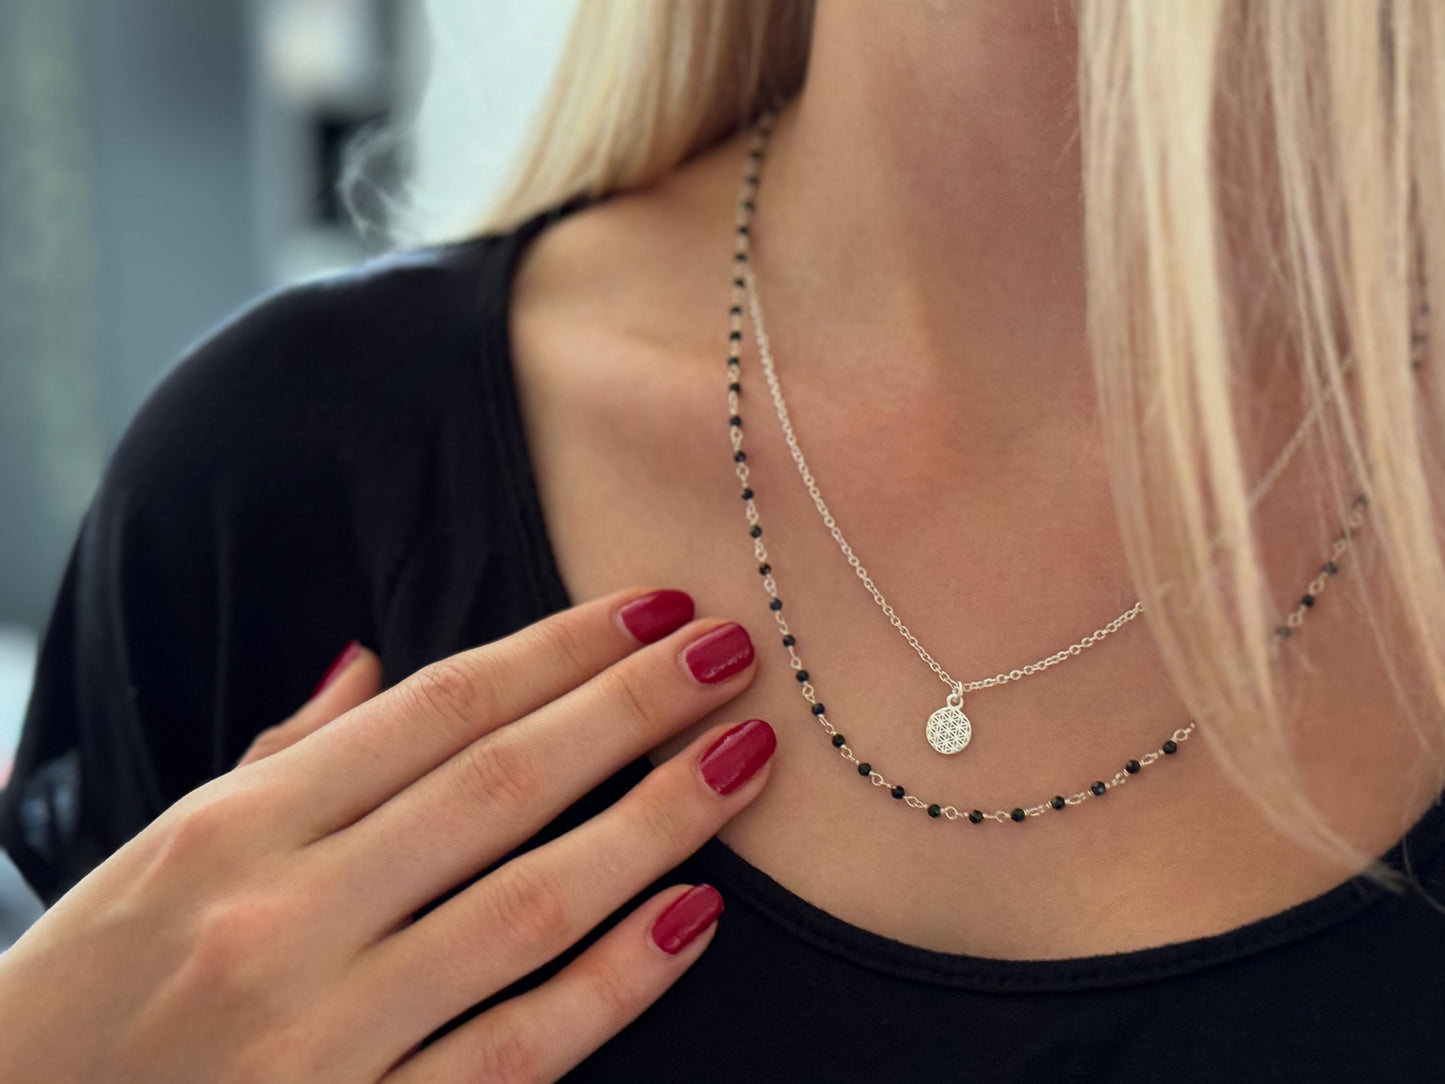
{"x": 362, "y": 345}
{"x": 363, "y": 420}
{"x": 361, "y": 370}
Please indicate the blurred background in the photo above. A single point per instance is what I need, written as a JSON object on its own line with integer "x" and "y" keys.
{"x": 164, "y": 161}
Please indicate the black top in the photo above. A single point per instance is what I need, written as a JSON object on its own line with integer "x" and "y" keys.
{"x": 346, "y": 459}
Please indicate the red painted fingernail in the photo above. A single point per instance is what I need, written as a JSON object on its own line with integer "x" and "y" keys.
{"x": 731, "y": 760}
{"x": 653, "y": 616}
{"x": 349, "y": 654}
{"x": 719, "y": 654}
{"x": 686, "y": 917}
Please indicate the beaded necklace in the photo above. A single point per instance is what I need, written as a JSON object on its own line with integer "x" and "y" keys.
{"x": 741, "y": 280}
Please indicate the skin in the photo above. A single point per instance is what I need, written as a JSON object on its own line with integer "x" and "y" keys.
{"x": 918, "y": 245}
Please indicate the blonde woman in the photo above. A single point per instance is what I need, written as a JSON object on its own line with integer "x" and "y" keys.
{"x": 1034, "y": 417}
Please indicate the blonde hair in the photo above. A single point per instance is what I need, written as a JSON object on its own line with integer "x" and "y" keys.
{"x": 1339, "y": 114}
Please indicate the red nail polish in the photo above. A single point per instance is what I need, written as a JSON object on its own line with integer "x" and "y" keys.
{"x": 653, "y": 616}
{"x": 737, "y": 754}
{"x": 720, "y": 654}
{"x": 349, "y": 655}
{"x": 686, "y": 917}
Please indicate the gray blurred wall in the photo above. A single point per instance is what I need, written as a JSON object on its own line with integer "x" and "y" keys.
{"x": 170, "y": 101}
{"x": 126, "y": 230}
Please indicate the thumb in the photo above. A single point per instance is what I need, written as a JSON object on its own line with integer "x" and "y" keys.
{"x": 353, "y": 679}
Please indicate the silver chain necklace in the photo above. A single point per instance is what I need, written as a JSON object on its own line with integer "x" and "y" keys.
{"x": 948, "y": 729}
{"x": 952, "y": 812}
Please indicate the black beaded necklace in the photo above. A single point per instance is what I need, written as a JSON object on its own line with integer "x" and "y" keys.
{"x": 1097, "y": 789}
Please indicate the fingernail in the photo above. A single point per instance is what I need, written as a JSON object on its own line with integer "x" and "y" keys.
{"x": 737, "y": 754}
{"x": 653, "y": 616}
{"x": 349, "y": 654}
{"x": 686, "y": 917}
{"x": 719, "y": 654}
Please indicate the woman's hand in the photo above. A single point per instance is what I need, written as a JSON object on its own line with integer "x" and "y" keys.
{"x": 261, "y": 928}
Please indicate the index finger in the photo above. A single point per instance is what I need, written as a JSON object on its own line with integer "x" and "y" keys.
{"x": 354, "y": 764}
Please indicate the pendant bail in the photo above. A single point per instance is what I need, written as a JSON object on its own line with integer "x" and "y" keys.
{"x": 955, "y": 698}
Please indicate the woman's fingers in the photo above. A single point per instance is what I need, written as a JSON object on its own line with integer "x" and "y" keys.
{"x": 224, "y": 922}
{"x": 549, "y": 1030}
{"x": 342, "y": 772}
{"x": 353, "y": 679}
{"x": 538, "y": 904}
{"x": 504, "y": 788}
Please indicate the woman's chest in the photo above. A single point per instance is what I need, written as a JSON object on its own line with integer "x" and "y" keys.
{"x": 640, "y": 487}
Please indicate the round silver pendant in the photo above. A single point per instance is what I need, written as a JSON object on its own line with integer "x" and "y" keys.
{"x": 949, "y": 730}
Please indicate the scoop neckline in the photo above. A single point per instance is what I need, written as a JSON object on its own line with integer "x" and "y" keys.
{"x": 811, "y": 924}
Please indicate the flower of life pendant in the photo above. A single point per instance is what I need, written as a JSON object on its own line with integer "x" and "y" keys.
{"x": 949, "y": 730}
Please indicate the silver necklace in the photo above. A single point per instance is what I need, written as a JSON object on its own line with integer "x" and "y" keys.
{"x": 948, "y": 729}
{"x": 865, "y": 769}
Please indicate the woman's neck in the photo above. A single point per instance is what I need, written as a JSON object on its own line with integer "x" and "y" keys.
{"x": 942, "y": 139}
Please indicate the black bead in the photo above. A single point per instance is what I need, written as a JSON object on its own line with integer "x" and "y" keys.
{"x": 736, "y": 310}
{"x": 765, "y": 569}
{"x": 742, "y": 231}
{"x": 1098, "y": 787}
{"x": 818, "y": 710}
{"x": 1132, "y": 767}
{"x": 838, "y": 740}
{"x": 801, "y": 675}
{"x": 865, "y": 768}
{"x": 735, "y": 336}
{"x": 899, "y": 792}
{"x": 747, "y": 205}
{"x": 1330, "y": 568}
{"x": 1017, "y": 815}
{"x": 1307, "y": 600}
{"x": 1058, "y": 801}
{"x": 1170, "y": 747}
{"x": 789, "y": 640}
{"x": 976, "y": 816}
{"x": 735, "y": 387}
{"x": 747, "y": 494}
{"x": 739, "y": 283}
{"x": 756, "y": 531}
{"x": 1361, "y": 501}
{"x": 934, "y": 810}
{"x": 740, "y": 257}
{"x": 1282, "y": 632}
{"x": 775, "y": 605}
{"x": 735, "y": 420}
{"x": 739, "y": 456}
